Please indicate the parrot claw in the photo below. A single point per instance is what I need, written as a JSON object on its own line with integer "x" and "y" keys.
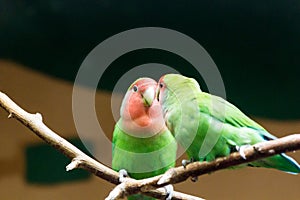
{"x": 184, "y": 163}
{"x": 194, "y": 178}
{"x": 123, "y": 174}
{"x": 169, "y": 190}
{"x": 241, "y": 150}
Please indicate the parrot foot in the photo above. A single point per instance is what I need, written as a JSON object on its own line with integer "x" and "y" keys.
{"x": 241, "y": 150}
{"x": 169, "y": 190}
{"x": 194, "y": 178}
{"x": 123, "y": 174}
{"x": 184, "y": 163}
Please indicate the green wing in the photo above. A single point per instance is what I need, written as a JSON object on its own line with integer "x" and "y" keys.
{"x": 224, "y": 111}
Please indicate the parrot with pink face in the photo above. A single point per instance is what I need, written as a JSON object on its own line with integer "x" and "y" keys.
{"x": 142, "y": 144}
{"x": 208, "y": 126}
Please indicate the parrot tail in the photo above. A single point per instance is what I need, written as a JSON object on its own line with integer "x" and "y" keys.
{"x": 139, "y": 197}
{"x": 281, "y": 162}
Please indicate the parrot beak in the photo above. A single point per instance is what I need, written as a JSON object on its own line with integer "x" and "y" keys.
{"x": 149, "y": 96}
{"x": 157, "y": 93}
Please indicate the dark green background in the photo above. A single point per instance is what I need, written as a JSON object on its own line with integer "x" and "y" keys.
{"x": 45, "y": 165}
{"x": 255, "y": 44}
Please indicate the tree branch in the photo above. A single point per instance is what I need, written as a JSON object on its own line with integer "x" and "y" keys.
{"x": 147, "y": 186}
{"x": 252, "y": 153}
{"x": 79, "y": 159}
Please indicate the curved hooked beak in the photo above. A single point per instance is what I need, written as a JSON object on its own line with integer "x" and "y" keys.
{"x": 149, "y": 96}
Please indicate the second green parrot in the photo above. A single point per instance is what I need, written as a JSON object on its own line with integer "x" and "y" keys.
{"x": 208, "y": 126}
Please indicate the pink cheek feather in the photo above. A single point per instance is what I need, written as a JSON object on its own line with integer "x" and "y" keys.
{"x": 141, "y": 121}
{"x": 137, "y": 112}
{"x": 155, "y": 111}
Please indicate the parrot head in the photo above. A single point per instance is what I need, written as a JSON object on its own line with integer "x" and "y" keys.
{"x": 140, "y": 111}
{"x": 170, "y": 85}
{"x": 177, "y": 97}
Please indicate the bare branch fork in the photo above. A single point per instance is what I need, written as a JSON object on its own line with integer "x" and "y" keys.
{"x": 150, "y": 186}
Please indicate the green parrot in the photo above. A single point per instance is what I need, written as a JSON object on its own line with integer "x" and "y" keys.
{"x": 142, "y": 144}
{"x": 208, "y": 126}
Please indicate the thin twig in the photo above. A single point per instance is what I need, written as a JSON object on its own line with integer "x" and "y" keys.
{"x": 35, "y": 123}
{"x": 79, "y": 159}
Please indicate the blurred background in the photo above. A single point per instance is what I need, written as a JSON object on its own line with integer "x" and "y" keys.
{"x": 43, "y": 43}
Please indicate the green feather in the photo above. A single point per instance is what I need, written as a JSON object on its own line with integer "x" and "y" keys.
{"x": 210, "y": 127}
{"x": 143, "y": 157}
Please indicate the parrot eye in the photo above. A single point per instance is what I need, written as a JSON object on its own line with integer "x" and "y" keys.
{"x": 161, "y": 85}
{"x": 135, "y": 88}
